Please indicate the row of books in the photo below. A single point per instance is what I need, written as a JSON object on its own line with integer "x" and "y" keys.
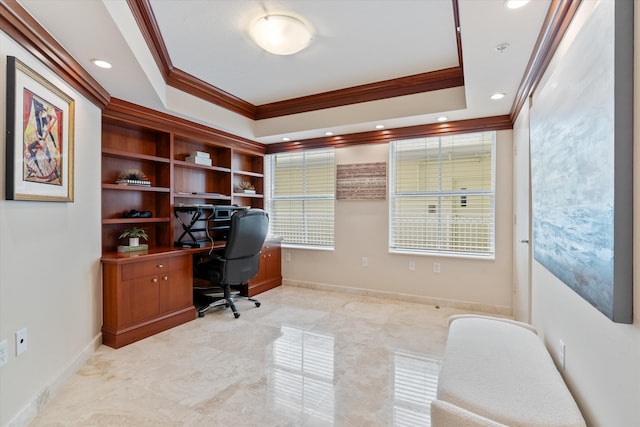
{"x": 133, "y": 182}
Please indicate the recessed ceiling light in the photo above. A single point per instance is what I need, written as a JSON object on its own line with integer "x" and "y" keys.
{"x": 442, "y": 118}
{"x": 328, "y": 133}
{"x": 515, "y": 4}
{"x": 285, "y": 139}
{"x": 101, "y": 63}
{"x": 379, "y": 126}
{"x": 499, "y": 95}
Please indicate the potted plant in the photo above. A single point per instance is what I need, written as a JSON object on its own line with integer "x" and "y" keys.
{"x": 246, "y": 187}
{"x": 134, "y": 234}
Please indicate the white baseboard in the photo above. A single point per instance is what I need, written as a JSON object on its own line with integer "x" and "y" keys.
{"x": 440, "y": 302}
{"x": 50, "y": 390}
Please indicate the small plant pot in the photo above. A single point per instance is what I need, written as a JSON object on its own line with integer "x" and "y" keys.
{"x": 134, "y": 241}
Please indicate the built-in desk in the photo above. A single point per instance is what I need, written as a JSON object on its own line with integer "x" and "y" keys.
{"x": 147, "y": 292}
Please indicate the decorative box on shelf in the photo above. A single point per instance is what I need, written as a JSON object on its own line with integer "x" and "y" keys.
{"x": 201, "y": 154}
{"x": 199, "y": 158}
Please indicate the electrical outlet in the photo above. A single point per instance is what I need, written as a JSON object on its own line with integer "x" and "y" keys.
{"x": 561, "y": 355}
{"x": 4, "y": 353}
{"x": 412, "y": 266}
{"x": 365, "y": 261}
{"x": 21, "y": 341}
{"x": 436, "y": 267}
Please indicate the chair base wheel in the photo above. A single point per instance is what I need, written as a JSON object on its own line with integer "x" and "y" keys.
{"x": 257, "y": 304}
{"x": 236, "y": 315}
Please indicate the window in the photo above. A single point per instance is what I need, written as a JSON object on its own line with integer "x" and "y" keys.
{"x": 301, "y": 197}
{"x": 442, "y": 195}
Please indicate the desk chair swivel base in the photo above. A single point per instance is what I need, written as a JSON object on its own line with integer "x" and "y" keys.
{"x": 227, "y": 300}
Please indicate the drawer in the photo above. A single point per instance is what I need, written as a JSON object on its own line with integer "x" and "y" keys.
{"x": 153, "y": 267}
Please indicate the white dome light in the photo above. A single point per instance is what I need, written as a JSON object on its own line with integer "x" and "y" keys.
{"x": 280, "y": 34}
{"x": 515, "y": 4}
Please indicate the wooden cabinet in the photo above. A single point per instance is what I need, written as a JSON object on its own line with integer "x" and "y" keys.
{"x": 143, "y": 295}
{"x": 270, "y": 273}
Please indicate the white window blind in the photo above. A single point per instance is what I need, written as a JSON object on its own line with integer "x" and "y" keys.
{"x": 442, "y": 195}
{"x": 301, "y": 197}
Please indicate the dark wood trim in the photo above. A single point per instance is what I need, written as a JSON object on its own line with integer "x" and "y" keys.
{"x": 127, "y": 112}
{"x": 186, "y": 82}
{"x": 143, "y": 14}
{"x": 18, "y": 24}
{"x": 407, "y": 85}
{"x": 558, "y": 18}
{"x": 388, "y": 135}
{"x": 177, "y": 78}
{"x": 418, "y": 83}
{"x": 456, "y": 20}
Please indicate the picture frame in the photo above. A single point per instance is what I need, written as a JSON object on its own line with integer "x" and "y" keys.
{"x": 39, "y": 137}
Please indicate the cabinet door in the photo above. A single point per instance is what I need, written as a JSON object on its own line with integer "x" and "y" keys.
{"x": 176, "y": 289}
{"x": 269, "y": 275}
{"x": 273, "y": 264}
{"x": 138, "y": 300}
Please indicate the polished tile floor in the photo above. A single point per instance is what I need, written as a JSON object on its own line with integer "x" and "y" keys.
{"x": 304, "y": 358}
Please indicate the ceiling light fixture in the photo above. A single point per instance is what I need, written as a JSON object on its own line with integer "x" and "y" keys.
{"x": 442, "y": 118}
{"x": 379, "y": 126}
{"x": 101, "y": 63}
{"x": 280, "y": 34}
{"x": 515, "y": 4}
{"x": 328, "y": 133}
{"x": 497, "y": 96}
{"x": 285, "y": 139}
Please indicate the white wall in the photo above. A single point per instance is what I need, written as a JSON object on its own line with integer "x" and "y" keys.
{"x": 50, "y": 279}
{"x": 362, "y": 230}
{"x": 602, "y": 358}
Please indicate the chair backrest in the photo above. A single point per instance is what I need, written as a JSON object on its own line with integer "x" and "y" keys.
{"x": 247, "y": 234}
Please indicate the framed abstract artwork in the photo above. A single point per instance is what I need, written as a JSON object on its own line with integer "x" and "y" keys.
{"x": 39, "y": 145}
{"x": 582, "y": 160}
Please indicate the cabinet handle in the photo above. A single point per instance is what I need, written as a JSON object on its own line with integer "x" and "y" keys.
{"x": 160, "y": 265}
{"x": 165, "y": 278}
{"x": 154, "y": 280}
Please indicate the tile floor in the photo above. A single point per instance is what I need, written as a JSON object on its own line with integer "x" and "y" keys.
{"x": 304, "y": 358}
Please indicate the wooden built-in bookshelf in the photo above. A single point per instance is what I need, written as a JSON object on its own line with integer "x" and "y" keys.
{"x": 157, "y": 144}
{"x": 149, "y": 291}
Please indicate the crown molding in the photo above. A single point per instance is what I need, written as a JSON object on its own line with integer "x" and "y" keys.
{"x": 559, "y": 16}
{"x": 388, "y": 135}
{"x": 134, "y": 114}
{"x": 418, "y": 83}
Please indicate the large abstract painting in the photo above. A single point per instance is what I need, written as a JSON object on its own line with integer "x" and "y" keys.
{"x": 581, "y": 159}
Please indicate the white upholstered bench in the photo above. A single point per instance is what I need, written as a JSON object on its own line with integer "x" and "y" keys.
{"x": 497, "y": 372}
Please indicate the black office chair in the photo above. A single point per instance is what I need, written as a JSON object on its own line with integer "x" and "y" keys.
{"x": 238, "y": 263}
